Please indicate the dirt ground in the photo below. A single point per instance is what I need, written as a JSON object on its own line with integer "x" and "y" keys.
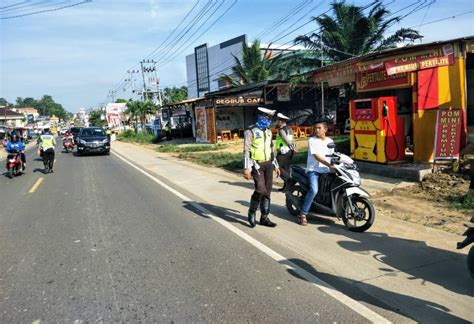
{"x": 429, "y": 203}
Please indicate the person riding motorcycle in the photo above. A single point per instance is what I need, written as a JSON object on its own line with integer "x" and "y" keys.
{"x": 15, "y": 145}
{"x": 68, "y": 136}
{"x": 46, "y": 145}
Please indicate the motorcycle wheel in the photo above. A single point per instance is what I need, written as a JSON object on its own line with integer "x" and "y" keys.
{"x": 364, "y": 215}
{"x": 10, "y": 173}
{"x": 296, "y": 192}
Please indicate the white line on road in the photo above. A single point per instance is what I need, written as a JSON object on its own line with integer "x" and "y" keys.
{"x": 321, "y": 284}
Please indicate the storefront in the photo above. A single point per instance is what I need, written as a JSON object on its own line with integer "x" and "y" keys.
{"x": 424, "y": 79}
{"x": 225, "y": 114}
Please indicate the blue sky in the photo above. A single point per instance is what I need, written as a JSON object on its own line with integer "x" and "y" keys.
{"x": 80, "y": 53}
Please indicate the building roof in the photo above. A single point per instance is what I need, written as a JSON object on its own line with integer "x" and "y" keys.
{"x": 389, "y": 52}
{"x": 27, "y": 109}
{"x": 9, "y": 113}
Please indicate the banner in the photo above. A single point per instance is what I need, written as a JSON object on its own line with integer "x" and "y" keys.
{"x": 448, "y": 134}
{"x": 239, "y": 101}
{"x": 378, "y": 79}
{"x": 201, "y": 125}
{"x": 418, "y": 63}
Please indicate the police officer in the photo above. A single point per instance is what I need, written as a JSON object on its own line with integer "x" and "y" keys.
{"x": 285, "y": 148}
{"x": 259, "y": 162}
{"x": 46, "y": 144}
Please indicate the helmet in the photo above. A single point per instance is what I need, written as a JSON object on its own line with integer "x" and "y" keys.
{"x": 45, "y": 130}
{"x": 14, "y": 137}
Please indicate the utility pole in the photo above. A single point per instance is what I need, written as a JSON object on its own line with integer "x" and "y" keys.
{"x": 147, "y": 69}
{"x": 322, "y": 81}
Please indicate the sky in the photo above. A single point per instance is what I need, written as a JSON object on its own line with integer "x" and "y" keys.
{"x": 78, "y": 54}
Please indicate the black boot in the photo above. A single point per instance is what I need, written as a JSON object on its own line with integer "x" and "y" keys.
{"x": 252, "y": 210}
{"x": 265, "y": 209}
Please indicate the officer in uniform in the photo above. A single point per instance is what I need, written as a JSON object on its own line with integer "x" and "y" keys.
{"x": 46, "y": 145}
{"x": 285, "y": 148}
{"x": 259, "y": 163}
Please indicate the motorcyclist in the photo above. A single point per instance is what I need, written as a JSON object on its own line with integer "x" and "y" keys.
{"x": 15, "y": 145}
{"x": 68, "y": 136}
{"x": 46, "y": 144}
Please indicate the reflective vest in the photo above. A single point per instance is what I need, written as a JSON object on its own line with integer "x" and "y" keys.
{"x": 261, "y": 148}
{"x": 47, "y": 141}
{"x": 279, "y": 140}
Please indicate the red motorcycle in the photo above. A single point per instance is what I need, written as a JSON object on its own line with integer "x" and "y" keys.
{"x": 68, "y": 145}
{"x": 14, "y": 164}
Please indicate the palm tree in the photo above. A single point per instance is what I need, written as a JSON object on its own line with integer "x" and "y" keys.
{"x": 139, "y": 109}
{"x": 254, "y": 67}
{"x": 351, "y": 33}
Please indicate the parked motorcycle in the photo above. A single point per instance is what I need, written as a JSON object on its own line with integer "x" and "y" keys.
{"x": 68, "y": 145}
{"x": 339, "y": 194}
{"x": 14, "y": 164}
{"x": 469, "y": 234}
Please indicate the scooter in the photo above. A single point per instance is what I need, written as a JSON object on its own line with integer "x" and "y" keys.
{"x": 14, "y": 164}
{"x": 68, "y": 145}
{"x": 339, "y": 194}
{"x": 469, "y": 234}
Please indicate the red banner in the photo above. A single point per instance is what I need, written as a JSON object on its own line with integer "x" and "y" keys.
{"x": 417, "y": 63}
{"x": 448, "y": 134}
{"x": 378, "y": 79}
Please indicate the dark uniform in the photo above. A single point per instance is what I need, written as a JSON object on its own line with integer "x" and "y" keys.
{"x": 285, "y": 148}
{"x": 259, "y": 156}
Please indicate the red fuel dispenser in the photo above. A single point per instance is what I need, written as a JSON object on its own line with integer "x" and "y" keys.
{"x": 377, "y": 133}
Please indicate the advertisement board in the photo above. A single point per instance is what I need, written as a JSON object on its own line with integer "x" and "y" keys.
{"x": 448, "y": 134}
{"x": 201, "y": 125}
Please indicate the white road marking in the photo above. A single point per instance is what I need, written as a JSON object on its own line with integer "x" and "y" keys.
{"x": 317, "y": 282}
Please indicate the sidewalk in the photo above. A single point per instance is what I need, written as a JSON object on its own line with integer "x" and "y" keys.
{"x": 398, "y": 265}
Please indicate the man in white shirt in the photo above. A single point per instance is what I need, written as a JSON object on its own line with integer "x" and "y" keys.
{"x": 317, "y": 164}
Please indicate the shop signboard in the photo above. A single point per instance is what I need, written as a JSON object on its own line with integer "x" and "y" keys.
{"x": 239, "y": 101}
{"x": 336, "y": 75}
{"x": 201, "y": 125}
{"x": 448, "y": 134}
{"x": 283, "y": 93}
{"x": 379, "y": 79}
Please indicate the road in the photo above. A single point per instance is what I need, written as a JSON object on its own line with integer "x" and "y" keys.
{"x": 99, "y": 241}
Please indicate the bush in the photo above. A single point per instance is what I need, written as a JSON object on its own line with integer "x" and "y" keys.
{"x": 129, "y": 136}
{"x": 464, "y": 202}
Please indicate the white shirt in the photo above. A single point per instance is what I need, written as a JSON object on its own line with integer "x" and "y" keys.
{"x": 320, "y": 147}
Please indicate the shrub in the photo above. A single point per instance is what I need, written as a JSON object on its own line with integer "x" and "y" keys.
{"x": 190, "y": 148}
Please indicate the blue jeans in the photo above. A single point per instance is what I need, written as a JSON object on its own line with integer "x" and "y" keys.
{"x": 313, "y": 177}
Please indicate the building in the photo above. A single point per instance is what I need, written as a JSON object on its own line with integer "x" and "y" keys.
{"x": 11, "y": 118}
{"x": 425, "y": 80}
{"x": 30, "y": 113}
{"x": 206, "y": 64}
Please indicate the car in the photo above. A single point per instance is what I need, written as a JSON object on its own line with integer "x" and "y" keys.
{"x": 75, "y": 131}
{"x": 92, "y": 140}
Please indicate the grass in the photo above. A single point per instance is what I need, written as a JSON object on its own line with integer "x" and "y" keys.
{"x": 229, "y": 161}
{"x": 130, "y": 136}
{"x": 464, "y": 202}
{"x": 190, "y": 148}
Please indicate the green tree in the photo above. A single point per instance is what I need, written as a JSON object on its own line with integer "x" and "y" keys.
{"x": 95, "y": 118}
{"x": 350, "y": 32}
{"x": 174, "y": 94}
{"x": 26, "y": 103}
{"x": 119, "y": 100}
{"x": 4, "y": 102}
{"x": 139, "y": 110}
{"x": 254, "y": 66}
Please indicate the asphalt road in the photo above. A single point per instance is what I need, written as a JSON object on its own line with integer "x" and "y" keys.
{"x": 99, "y": 241}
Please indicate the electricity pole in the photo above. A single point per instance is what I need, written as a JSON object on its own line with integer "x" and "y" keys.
{"x": 148, "y": 67}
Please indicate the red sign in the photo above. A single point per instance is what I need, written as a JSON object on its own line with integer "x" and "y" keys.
{"x": 378, "y": 79}
{"x": 448, "y": 134}
{"x": 417, "y": 63}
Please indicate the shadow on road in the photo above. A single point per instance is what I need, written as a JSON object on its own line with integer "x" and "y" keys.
{"x": 445, "y": 268}
{"x": 230, "y": 215}
{"x": 39, "y": 170}
{"x": 426, "y": 311}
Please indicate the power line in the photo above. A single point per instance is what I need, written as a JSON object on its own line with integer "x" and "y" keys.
{"x": 48, "y": 10}
{"x": 13, "y": 5}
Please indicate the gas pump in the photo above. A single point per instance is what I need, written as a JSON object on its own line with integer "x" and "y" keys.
{"x": 377, "y": 133}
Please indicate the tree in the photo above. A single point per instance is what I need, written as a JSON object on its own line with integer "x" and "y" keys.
{"x": 4, "y": 102}
{"x": 349, "y": 32}
{"x": 95, "y": 118}
{"x": 139, "y": 109}
{"x": 174, "y": 94}
{"x": 26, "y": 103}
{"x": 254, "y": 66}
{"x": 120, "y": 100}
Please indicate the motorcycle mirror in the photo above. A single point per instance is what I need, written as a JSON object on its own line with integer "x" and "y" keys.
{"x": 331, "y": 145}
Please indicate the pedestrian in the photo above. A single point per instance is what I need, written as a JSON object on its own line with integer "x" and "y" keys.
{"x": 167, "y": 131}
{"x": 317, "y": 163}
{"x": 259, "y": 163}
{"x": 285, "y": 148}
